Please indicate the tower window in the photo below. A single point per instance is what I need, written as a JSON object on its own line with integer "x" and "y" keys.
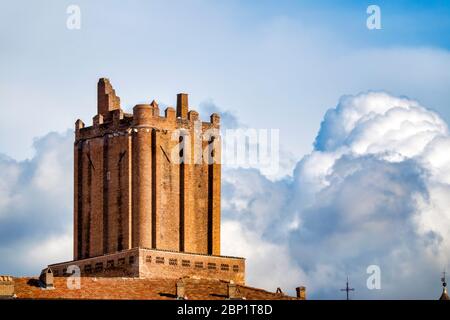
{"x": 98, "y": 266}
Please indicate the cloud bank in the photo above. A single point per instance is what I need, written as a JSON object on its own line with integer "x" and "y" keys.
{"x": 374, "y": 191}
{"x": 36, "y": 206}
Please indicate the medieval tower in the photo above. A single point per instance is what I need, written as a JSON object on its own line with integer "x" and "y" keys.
{"x": 145, "y": 186}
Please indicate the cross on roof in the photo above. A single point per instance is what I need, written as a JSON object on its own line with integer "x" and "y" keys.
{"x": 347, "y": 289}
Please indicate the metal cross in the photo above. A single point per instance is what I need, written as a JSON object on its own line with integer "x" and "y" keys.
{"x": 347, "y": 289}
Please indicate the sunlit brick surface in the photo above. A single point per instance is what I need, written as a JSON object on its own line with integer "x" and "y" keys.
{"x": 141, "y": 289}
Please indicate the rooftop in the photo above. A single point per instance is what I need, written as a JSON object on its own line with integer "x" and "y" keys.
{"x": 138, "y": 289}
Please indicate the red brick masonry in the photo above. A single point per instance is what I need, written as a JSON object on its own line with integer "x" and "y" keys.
{"x": 141, "y": 289}
{"x": 158, "y": 264}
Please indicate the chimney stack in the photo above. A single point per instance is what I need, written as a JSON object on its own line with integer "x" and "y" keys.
{"x": 232, "y": 290}
{"x": 181, "y": 292}
{"x": 46, "y": 278}
{"x": 301, "y": 293}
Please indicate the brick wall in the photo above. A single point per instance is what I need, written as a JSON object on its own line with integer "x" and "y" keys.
{"x": 129, "y": 192}
{"x": 158, "y": 264}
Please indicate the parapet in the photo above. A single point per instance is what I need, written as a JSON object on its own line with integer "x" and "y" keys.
{"x": 111, "y": 118}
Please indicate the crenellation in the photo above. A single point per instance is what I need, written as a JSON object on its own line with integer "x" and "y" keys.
{"x": 193, "y": 115}
{"x": 79, "y": 125}
{"x": 155, "y": 107}
{"x": 97, "y": 120}
{"x": 117, "y": 116}
{"x": 215, "y": 119}
{"x": 107, "y": 100}
{"x": 170, "y": 114}
{"x": 182, "y": 105}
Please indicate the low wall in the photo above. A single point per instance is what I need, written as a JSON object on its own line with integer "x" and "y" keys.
{"x": 158, "y": 264}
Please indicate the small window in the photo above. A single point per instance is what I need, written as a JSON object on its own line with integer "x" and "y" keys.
{"x": 56, "y": 273}
{"x": 211, "y": 266}
{"x": 121, "y": 261}
{"x": 199, "y": 265}
{"x": 110, "y": 263}
{"x": 186, "y": 263}
{"x": 236, "y": 268}
{"x": 88, "y": 268}
{"x": 98, "y": 266}
{"x": 224, "y": 267}
{"x": 131, "y": 260}
{"x": 160, "y": 260}
{"x": 148, "y": 259}
{"x": 173, "y": 262}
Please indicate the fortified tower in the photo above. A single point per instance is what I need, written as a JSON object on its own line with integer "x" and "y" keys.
{"x": 145, "y": 186}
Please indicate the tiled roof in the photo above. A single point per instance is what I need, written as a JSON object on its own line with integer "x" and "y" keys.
{"x": 137, "y": 289}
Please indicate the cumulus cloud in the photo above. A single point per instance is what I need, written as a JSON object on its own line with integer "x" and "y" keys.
{"x": 373, "y": 191}
{"x": 36, "y": 206}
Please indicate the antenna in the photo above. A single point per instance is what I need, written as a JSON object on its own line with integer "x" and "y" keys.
{"x": 348, "y": 289}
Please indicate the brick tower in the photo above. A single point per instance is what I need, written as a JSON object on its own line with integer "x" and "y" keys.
{"x": 148, "y": 185}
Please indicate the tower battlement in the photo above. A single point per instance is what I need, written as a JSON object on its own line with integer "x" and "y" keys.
{"x": 111, "y": 118}
{"x": 129, "y": 191}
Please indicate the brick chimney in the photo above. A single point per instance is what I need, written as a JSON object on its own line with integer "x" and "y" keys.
{"x": 301, "y": 293}
{"x": 181, "y": 290}
{"x": 6, "y": 287}
{"x": 232, "y": 291}
{"x": 46, "y": 278}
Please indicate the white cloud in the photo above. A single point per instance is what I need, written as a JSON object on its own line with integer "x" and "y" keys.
{"x": 258, "y": 262}
{"x": 374, "y": 190}
{"x": 36, "y": 206}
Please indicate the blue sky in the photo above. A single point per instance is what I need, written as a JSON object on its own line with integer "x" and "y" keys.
{"x": 289, "y": 58}
{"x": 377, "y": 103}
